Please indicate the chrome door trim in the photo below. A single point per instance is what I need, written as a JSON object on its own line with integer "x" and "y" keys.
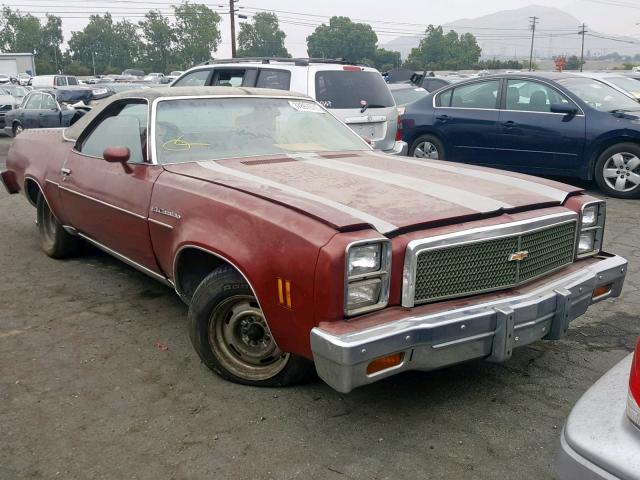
{"x": 162, "y": 224}
{"x": 127, "y": 260}
{"x": 137, "y": 215}
{"x": 475, "y": 235}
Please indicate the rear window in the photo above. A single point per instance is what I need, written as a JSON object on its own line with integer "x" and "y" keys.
{"x": 346, "y": 89}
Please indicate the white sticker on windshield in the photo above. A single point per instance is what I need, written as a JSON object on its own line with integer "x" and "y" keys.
{"x": 306, "y": 106}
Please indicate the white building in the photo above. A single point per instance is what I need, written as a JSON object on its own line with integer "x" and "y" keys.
{"x": 14, "y": 63}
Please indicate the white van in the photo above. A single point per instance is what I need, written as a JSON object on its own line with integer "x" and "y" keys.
{"x": 53, "y": 81}
{"x": 356, "y": 94}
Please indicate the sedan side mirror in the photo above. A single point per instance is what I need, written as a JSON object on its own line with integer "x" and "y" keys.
{"x": 116, "y": 154}
{"x": 565, "y": 108}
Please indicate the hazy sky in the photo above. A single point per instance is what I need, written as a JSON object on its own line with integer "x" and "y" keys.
{"x": 615, "y": 17}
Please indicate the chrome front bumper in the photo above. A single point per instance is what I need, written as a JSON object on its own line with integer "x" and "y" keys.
{"x": 489, "y": 330}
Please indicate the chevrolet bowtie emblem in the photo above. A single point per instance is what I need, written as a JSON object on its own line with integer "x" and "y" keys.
{"x": 518, "y": 256}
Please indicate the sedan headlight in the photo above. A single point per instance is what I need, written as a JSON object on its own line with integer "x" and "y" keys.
{"x": 367, "y": 276}
{"x": 592, "y": 219}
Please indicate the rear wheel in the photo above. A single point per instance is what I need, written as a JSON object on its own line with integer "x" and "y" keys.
{"x": 17, "y": 129}
{"x": 232, "y": 338}
{"x": 55, "y": 240}
{"x": 617, "y": 170}
{"x": 427, "y": 146}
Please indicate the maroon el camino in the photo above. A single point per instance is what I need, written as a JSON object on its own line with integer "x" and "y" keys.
{"x": 294, "y": 244}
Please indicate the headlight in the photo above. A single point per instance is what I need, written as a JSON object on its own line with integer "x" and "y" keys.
{"x": 592, "y": 219}
{"x": 367, "y": 276}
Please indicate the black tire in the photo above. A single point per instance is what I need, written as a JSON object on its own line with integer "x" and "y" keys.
{"x": 428, "y": 139}
{"x": 213, "y": 320}
{"x": 17, "y": 129}
{"x": 55, "y": 241}
{"x": 622, "y": 161}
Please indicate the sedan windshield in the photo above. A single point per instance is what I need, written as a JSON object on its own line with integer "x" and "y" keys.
{"x": 196, "y": 129}
{"x": 599, "y": 95}
{"x": 13, "y": 90}
{"x": 409, "y": 95}
{"x": 627, "y": 84}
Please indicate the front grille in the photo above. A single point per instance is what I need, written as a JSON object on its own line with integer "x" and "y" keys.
{"x": 483, "y": 266}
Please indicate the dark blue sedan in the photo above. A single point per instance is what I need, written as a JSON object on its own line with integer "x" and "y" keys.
{"x": 542, "y": 124}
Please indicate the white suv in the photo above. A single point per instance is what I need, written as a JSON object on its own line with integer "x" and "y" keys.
{"x": 355, "y": 94}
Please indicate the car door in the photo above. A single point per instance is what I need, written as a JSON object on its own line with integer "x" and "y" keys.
{"x": 108, "y": 203}
{"x": 466, "y": 119}
{"x": 50, "y": 114}
{"x": 532, "y": 138}
{"x": 29, "y": 114}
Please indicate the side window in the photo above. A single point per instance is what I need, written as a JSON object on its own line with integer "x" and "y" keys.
{"x": 195, "y": 79}
{"x": 476, "y": 95}
{"x": 123, "y": 125}
{"x": 48, "y": 102}
{"x": 72, "y": 81}
{"x": 278, "y": 79}
{"x": 33, "y": 102}
{"x": 60, "y": 81}
{"x": 228, "y": 78}
{"x": 444, "y": 99}
{"x": 529, "y": 96}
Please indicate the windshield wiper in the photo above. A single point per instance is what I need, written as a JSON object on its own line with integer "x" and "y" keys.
{"x": 371, "y": 105}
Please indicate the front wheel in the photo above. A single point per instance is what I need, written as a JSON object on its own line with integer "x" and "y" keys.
{"x": 617, "y": 170}
{"x": 427, "y": 146}
{"x": 55, "y": 240}
{"x": 17, "y": 129}
{"x": 230, "y": 333}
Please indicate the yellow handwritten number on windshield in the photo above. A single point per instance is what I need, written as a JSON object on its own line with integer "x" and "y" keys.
{"x": 180, "y": 144}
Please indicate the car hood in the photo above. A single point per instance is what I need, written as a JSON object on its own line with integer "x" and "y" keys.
{"x": 7, "y": 100}
{"x": 350, "y": 190}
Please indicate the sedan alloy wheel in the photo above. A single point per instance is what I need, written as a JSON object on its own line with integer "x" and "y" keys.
{"x": 426, "y": 150}
{"x": 621, "y": 171}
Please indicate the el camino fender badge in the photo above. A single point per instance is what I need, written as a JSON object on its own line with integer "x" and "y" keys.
{"x": 168, "y": 213}
{"x": 519, "y": 256}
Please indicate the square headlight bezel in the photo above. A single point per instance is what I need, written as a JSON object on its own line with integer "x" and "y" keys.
{"x": 382, "y": 273}
{"x": 597, "y": 227}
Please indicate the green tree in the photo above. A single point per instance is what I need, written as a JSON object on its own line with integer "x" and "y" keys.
{"x": 159, "y": 41}
{"x": 343, "y": 38}
{"x": 262, "y": 37}
{"x": 25, "y": 33}
{"x": 440, "y": 51}
{"x": 198, "y": 32}
{"x": 494, "y": 64}
{"x": 573, "y": 63}
{"x": 386, "y": 59}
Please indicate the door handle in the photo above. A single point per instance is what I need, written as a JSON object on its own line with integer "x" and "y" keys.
{"x": 442, "y": 118}
{"x": 509, "y": 124}
{"x": 65, "y": 172}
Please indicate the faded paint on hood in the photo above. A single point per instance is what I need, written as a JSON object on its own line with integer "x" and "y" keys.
{"x": 355, "y": 189}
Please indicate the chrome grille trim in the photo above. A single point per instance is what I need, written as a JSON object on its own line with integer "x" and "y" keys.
{"x": 476, "y": 235}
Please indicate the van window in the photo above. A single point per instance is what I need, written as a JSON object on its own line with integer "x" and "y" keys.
{"x": 60, "y": 81}
{"x": 228, "y": 78}
{"x": 278, "y": 79}
{"x": 193, "y": 79}
{"x": 72, "y": 81}
{"x": 349, "y": 89}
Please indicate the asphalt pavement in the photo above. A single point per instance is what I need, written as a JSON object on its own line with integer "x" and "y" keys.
{"x": 98, "y": 380}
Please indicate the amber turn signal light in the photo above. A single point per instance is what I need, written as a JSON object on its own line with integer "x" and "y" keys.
{"x": 384, "y": 363}
{"x": 600, "y": 291}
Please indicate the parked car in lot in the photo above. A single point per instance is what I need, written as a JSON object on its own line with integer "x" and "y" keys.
{"x": 293, "y": 241}
{"x": 51, "y": 108}
{"x": 157, "y": 78}
{"x": 355, "y": 94}
{"x": 24, "y": 79}
{"x": 174, "y": 74}
{"x": 405, "y": 93}
{"x": 4, "y": 78}
{"x": 622, "y": 83}
{"x": 7, "y": 104}
{"x": 601, "y": 439}
{"x": 542, "y": 123}
{"x": 53, "y": 81}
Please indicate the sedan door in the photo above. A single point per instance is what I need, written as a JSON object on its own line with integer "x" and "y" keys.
{"x": 466, "y": 119}
{"x": 108, "y": 203}
{"x": 29, "y": 114}
{"x": 533, "y": 139}
{"x": 50, "y": 115}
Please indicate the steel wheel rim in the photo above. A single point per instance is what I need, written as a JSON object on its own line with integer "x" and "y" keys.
{"x": 18, "y": 130}
{"x": 621, "y": 172}
{"x": 48, "y": 225}
{"x": 426, "y": 150}
{"x": 241, "y": 340}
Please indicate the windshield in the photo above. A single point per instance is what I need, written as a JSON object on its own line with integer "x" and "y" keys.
{"x": 14, "y": 90}
{"x": 627, "y": 84}
{"x": 599, "y": 95}
{"x": 408, "y": 95}
{"x": 189, "y": 130}
{"x": 349, "y": 89}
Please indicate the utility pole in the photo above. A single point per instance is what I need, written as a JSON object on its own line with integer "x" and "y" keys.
{"x": 232, "y": 19}
{"x": 582, "y": 31}
{"x": 533, "y": 21}
{"x": 93, "y": 60}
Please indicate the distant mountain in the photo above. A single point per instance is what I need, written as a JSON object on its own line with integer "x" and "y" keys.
{"x": 506, "y": 34}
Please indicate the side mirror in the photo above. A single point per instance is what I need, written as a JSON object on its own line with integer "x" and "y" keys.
{"x": 116, "y": 154}
{"x": 565, "y": 108}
